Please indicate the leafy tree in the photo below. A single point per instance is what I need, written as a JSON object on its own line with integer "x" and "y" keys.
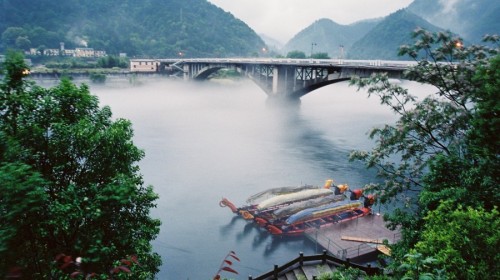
{"x": 320, "y": 55}
{"x": 444, "y": 146}
{"x": 23, "y": 43}
{"x": 463, "y": 242}
{"x": 344, "y": 274}
{"x": 296, "y": 54}
{"x": 22, "y": 204}
{"x": 111, "y": 61}
{"x": 10, "y": 35}
{"x": 71, "y": 158}
{"x": 418, "y": 267}
{"x": 15, "y": 98}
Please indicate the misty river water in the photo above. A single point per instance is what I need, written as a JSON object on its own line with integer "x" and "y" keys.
{"x": 205, "y": 141}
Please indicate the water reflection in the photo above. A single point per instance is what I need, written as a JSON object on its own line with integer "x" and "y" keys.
{"x": 226, "y": 229}
{"x": 297, "y": 244}
{"x": 249, "y": 226}
{"x": 207, "y": 141}
{"x": 310, "y": 144}
{"x": 260, "y": 238}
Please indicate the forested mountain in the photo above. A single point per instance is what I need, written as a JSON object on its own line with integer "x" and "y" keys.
{"x": 471, "y": 19}
{"x": 384, "y": 40}
{"x": 328, "y": 36}
{"x": 146, "y": 28}
{"x": 380, "y": 39}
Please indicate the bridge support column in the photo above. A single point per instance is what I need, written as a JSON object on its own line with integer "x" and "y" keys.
{"x": 276, "y": 79}
{"x": 186, "y": 72}
{"x": 283, "y": 80}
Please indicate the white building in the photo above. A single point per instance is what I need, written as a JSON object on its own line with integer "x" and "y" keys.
{"x": 144, "y": 65}
{"x": 51, "y": 52}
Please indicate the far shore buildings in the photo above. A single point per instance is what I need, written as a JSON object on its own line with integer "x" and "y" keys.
{"x": 144, "y": 65}
{"x": 77, "y": 52}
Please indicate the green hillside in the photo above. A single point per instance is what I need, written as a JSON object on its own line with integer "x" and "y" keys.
{"x": 146, "y": 28}
{"x": 328, "y": 36}
{"x": 384, "y": 40}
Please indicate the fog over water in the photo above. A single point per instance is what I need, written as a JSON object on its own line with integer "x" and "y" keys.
{"x": 205, "y": 141}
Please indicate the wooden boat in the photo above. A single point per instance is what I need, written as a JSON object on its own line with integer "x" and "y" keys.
{"x": 292, "y": 211}
{"x": 248, "y": 212}
{"x": 280, "y": 197}
{"x": 300, "y": 228}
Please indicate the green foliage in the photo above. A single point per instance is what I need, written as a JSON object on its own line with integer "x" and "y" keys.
{"x": 484, "y": 139}
{"x": 226, "y": 74}
{"x": 343, "y": 273}
{"x": 443, "y": 147}
{"x": 111, "y": 61}
{"x": 467, "y": 247}
{"x": 420, "y": 133}
{"x": 69, "y": 157}
{"x": 67, "y": 62}
{"x": 10, "y": 35}
{"x": 418, "y": 267}
{"x": 23, "y": 43}
{"x": 153, "y": 29}
{"x": 22, "y": 206}
{"x": 296, "y": 54}
{"x": 320, "y": 55}
{"x": 14, "y": 99}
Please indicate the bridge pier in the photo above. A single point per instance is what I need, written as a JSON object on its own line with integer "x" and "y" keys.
{"x": 283, "y": 80}
{"x": 185, "y": 71}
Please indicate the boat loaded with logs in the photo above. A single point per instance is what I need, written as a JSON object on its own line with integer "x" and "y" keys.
{"x": 291, "y": 211}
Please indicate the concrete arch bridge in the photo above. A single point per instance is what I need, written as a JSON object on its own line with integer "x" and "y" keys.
{"x": 284, "y": 78}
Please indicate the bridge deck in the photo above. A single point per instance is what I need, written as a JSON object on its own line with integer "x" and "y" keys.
{"x": 285, "y": 79}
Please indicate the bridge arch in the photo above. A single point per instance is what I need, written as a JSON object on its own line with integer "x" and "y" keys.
{"x": 299, "y": 93}
{"x": 206, "y": 72}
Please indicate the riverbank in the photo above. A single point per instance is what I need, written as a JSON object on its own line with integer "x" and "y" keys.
{"x": 105, "y": 75}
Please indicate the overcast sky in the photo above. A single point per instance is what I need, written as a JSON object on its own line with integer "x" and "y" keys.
{"x": 282, "y": 19}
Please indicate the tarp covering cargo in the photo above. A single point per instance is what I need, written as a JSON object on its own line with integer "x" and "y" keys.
{"x": 299, "y": 206}
{"x": 322, "y": 211}
{"x": 279, "y": 191}
{"x": 293, "y": 197}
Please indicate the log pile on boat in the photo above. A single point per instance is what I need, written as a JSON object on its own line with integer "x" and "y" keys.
{"x": 291, "y": 211}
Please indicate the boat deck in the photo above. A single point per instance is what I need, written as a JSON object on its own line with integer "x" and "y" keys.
{"x": 353, "y": 238}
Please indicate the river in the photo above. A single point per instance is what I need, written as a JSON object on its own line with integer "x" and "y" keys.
{"x": 205, "y": 141}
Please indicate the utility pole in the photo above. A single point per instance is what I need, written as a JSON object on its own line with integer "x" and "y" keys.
{"x": 312, "y": 48}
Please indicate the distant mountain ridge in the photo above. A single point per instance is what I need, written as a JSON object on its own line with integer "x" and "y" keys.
{"x": 146, "y": 28}
{"x": 384, "y": 40}
{"x": 329, "y": 36}
{"x": 471, "y": 19}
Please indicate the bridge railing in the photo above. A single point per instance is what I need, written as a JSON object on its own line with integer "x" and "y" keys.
{"x": 311, "y": 260}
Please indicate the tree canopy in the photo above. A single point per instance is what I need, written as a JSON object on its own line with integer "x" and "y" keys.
{"x": 439, "y": 162}
{"x": 296, "y": 54}
{"x": 70, "y": 184}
